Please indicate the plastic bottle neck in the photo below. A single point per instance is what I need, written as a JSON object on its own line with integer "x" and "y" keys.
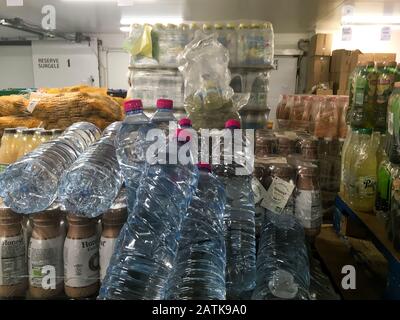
{"x": 163, "y": 115}
{"x": 134, "y": 112}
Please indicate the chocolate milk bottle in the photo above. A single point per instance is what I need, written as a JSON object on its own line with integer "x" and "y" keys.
{"x": 13, "y": 271}
{"x": 308, "y": 207}
{"x": 81, "y": 258}
{"x": 113, "y": 221}
{"x": 45, "y": 260}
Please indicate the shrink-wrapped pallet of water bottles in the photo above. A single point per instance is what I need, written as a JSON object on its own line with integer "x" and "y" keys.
{"x": 250, "y": 43}
{"x": 370, "y": 157}
{"x": 157, "y": 51}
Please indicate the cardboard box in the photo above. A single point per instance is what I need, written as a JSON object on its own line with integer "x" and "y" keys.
{"x": 341, "y": 60}
{"x": 317, "y": 70}
{"x": 342, "y": 92}
{"x": 339, "y": 80}
{"x": 384, "y": 57}
{"x": 320, "y": 45}
{"x": 324, "y": 92}
{"x": 354, "y": 58}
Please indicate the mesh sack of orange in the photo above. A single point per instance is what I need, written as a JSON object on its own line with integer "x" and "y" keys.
{"x": 75, "y": 105}
{"x": 80, "y": 88}
{"x": 12, "y": 105}
{"x": 19, "y": 121}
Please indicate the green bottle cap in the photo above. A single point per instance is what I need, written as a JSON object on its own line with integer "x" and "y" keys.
{"x": 365, "y": 131}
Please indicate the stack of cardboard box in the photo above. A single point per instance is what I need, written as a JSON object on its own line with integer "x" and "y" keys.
{"x": 319, "y": 60}
{"x": 335, "y": 71}
{"x": 343, "y": 63}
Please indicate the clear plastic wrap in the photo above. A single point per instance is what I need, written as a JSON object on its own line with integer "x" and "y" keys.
{"x": 325, "y": 116}
{"x": 150, "y": 85}
{"x": 249, "y": 43}
{"x": 209, "y": 100}
{"x": 283, "y": 111}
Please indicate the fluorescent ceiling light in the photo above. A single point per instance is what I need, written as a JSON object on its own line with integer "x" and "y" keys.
{"x": 151, "y": 20}
{"x": 89, "y": 0}
{"x": 125, "y": 29}
{"x": 122, "y": 1}
{"x": 370, "y": 20}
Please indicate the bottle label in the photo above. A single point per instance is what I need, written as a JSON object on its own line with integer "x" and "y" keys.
{"x": 3, "y": 167}
{"x": 383, "y": 89}
{"x": 81, "y": 262}
{"x": 308, "y": 208}
{"x": 390, "y": 123}
{"x": 396, "y": 190}
{"x": 383, "y": 189}
{"x": 107, "y": 246}
{"x": 366, "y": 186}
{"x": 45, "y": 253}
{"x": 278, "y": 195}
{"x": 270, "y": 160}
{"x": 12, "y": 260}
{"x": 359, "y": 97}
{"x": 258, "y": 190}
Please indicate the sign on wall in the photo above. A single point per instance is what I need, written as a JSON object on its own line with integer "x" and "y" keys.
{"x": 62, "y": 63}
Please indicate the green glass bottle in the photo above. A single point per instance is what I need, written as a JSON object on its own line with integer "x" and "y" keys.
{"x": 397, "y": 75}
{"x": 393, "y": 223}
{"x": 351, "y": 92}
{"x": 364, "y": 97}
{"x": 386, "y": 78}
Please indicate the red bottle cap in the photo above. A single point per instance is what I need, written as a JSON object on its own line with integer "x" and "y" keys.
{"x": 133, "y": 104}
{"x": 232, "y": 124}
{"x": 165, "y": 104}
{"x": 185, "y": 122}
{"x": 182, "y": 132}
{"x": 205, "y": 166}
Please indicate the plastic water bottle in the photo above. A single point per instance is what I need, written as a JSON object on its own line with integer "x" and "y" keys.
{"x": 90, "y": 186}
{"x": 30, "y": 185}
{"x": 199, "y": 271}
{"x": 185, "y": 123}
{"x": 240, "y": 229}
{"x": 147, "y": 245}
{"x": 130, "y": 152}
{"x": 164, "y": 114}
{"x": 282, "y": 264}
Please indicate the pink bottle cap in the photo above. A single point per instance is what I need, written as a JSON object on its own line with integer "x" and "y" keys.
{"x": 232, "y": 124}
{"x": 205, "y": 166}
{"x": 185, "y": 122}
{"x": 182, "y": 133}
{"x": 165, "y": 104}
{"x": 133, "y": 104}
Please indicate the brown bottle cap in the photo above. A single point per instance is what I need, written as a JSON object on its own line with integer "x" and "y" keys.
{"x": 379, "y": 64}
{"x": 79, "y": 220}
{"x": 7, "y": 216}
{"x": 309, "y": 170}
{"x": 281, "y": 170}
{"x": 370, "y": 63}
{"x": 115, "y": 216}
{"x": 47, "y": 217}
{"x": 392, "y": 64}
